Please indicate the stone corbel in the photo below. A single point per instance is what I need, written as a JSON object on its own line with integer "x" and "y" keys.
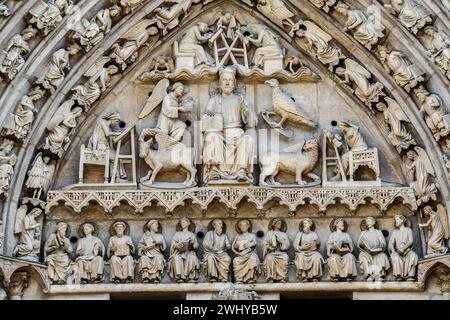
{"x": 443, "y": 274}
{"x": 17, "y": 284}
{"x": 14, "y": 279}
{"x": 441, "y": 264}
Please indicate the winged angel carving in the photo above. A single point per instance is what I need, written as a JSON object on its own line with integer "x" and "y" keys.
{"x": 171, "y": 153}
{"x": 40, "y": 175}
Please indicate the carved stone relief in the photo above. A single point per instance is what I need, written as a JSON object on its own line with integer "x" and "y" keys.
{"x": 57, "y": 250}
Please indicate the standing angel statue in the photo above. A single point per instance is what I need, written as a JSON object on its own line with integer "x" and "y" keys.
{"x": 437, "y": 224}
{"x": 60, "y": 128}
{"x": 40, "y": 175}
{"x": 395, "y": 118}
{"x": 421, "y": 174}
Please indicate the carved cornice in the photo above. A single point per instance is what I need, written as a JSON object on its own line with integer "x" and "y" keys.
{"x": 259, "y": 287}
{"x": 322, "y": 198}
{"x": 24, "y": 161}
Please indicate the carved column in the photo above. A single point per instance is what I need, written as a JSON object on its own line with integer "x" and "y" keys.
{"x": 17, "y": 284}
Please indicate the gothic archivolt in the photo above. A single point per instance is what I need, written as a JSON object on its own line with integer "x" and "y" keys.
{"x": 189, "y": 109}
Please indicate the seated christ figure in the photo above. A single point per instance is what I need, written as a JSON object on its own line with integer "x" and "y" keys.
{"x": 229, "y": 146}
